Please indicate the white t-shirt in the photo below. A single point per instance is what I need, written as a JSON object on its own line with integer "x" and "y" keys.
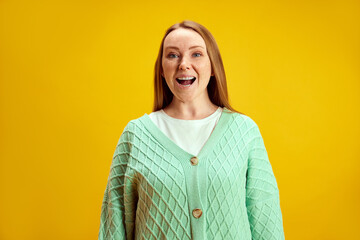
{"x": 190, "y": 135}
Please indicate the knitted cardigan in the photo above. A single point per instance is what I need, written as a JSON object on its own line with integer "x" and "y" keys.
{"x": 153, "y": 188}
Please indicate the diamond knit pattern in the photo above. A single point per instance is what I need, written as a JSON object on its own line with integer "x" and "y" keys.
{"x": 153, "y": 188}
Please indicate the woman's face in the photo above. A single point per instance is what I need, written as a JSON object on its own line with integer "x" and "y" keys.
{"x": 186, "y": 64}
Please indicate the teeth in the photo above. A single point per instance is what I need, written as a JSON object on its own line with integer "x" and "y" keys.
{"x": 186, "y": 78}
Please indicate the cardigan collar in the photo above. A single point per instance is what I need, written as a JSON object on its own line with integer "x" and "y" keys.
{"x": 168, "y": 144}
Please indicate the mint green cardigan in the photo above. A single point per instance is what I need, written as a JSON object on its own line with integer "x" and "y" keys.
{"x": 153, "y": 187}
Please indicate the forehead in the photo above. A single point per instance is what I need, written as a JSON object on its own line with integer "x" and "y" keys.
{"x": 183, "y": 38}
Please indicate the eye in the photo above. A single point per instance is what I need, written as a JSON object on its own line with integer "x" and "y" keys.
{"x": 197, "y": 54}
{"x": 172, "y": 55}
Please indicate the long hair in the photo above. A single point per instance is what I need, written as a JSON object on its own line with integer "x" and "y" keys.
{"x": 217, "y": 87}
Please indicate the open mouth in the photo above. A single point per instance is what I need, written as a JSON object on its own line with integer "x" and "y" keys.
{"x": 186, "y": 81}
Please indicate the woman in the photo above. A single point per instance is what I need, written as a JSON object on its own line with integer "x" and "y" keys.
{"x": 194, "y": 168}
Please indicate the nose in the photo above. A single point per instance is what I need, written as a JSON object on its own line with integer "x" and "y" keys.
{"x": 184, "y": 64}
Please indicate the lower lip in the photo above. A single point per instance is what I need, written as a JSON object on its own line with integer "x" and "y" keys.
{"x": 185, "y": 86}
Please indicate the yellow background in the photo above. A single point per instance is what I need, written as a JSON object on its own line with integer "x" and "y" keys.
{"x": 73, "y": 73}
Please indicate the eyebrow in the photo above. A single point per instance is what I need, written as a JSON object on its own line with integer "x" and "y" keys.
{"x": 178, "y": 48}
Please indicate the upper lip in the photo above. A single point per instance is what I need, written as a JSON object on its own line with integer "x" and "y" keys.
{"x": 183, "y": 76}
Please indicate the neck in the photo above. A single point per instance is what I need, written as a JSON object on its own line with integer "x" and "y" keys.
{"x": 191, "y": 110}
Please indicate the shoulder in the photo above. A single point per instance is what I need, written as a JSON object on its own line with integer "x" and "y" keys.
{"x": 137, "y": 125}
{"x": 244, "y": 125}
{"x": 242, "y": 120}
{"x": 131, "y": 128}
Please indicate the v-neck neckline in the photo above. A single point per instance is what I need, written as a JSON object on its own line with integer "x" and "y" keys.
{"x": 167, "y": 143}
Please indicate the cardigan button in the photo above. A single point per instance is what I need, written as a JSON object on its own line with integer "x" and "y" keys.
{"x": 197, "y": 212}
{"x": 194, "y": 161}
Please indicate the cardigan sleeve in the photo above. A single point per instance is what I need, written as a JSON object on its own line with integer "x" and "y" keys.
{"x": 262, "y": 193}
{"x": 118, "y": 208}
